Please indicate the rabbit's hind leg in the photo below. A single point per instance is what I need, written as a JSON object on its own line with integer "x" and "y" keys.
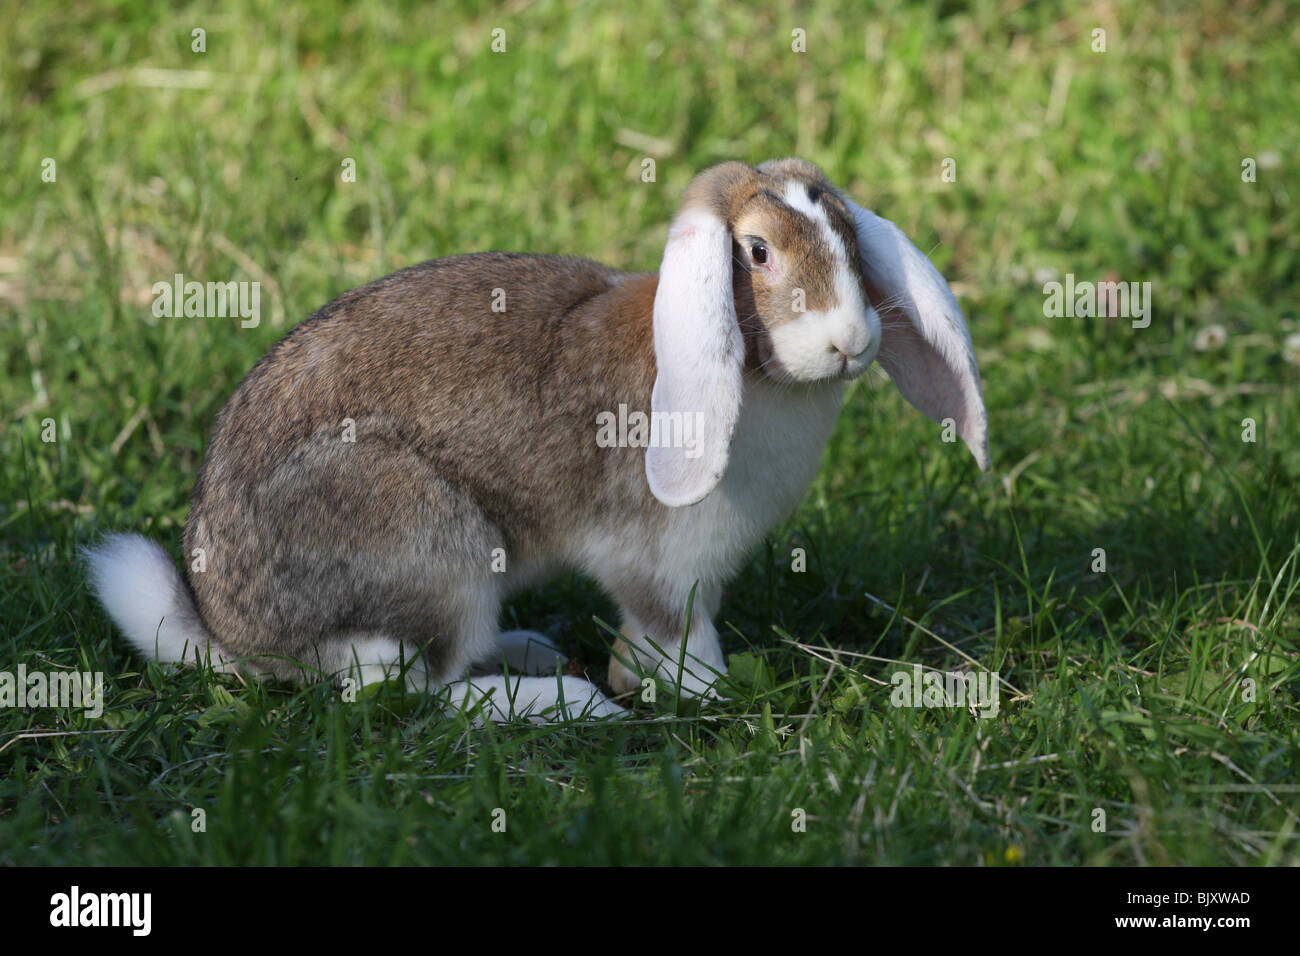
{"x": 372, "y": 659}
{"x": 536, "y": 699}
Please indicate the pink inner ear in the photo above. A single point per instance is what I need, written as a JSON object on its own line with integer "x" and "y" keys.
{"x": 926, "y": 380}
{"x": 924, "y": 346}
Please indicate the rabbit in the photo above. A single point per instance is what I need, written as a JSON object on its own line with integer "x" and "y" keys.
{"x": 425, "y": 445}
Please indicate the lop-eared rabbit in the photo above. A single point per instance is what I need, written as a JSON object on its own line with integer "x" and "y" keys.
{"x": 427, "y": 444}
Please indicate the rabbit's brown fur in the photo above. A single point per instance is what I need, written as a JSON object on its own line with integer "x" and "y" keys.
{"x": 409, "y": 455}
{"x": 309, "y": 538}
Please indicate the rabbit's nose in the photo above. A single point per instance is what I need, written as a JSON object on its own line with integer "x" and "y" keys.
{"x": 850, "y": 336}
{"x": 853, "y": 344}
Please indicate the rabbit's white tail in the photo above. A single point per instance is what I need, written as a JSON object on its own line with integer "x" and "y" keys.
{"x": 143, "y": 592}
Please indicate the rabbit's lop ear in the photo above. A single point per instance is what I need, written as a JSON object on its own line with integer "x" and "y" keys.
{"x": 925, "y": 346}
{"x": 699, "y": 350}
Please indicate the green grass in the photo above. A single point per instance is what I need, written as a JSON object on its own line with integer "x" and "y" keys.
{"x": 1126, "y": 164}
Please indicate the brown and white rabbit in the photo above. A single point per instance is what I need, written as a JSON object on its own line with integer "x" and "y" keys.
{"x": 427, "y": 444}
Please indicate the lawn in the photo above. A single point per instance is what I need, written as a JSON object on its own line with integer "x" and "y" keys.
{"x": 1148, "y": 710}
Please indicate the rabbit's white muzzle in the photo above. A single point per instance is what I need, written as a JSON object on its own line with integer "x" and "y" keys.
{"x": 840, "y": 342}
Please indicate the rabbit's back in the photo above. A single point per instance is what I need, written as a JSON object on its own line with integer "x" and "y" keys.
{"x": 422, "y": 347}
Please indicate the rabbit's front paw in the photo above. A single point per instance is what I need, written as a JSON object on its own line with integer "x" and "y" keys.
{"x": 691, "y": 677}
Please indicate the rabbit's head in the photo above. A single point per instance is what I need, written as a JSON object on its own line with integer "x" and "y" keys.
{"x": 800, "y": 299}
{"x": 773, "y": 270}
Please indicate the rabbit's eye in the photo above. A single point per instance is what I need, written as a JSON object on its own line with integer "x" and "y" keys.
{"x": 758, "y": 252}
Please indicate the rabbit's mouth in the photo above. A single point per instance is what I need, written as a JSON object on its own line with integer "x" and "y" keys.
{"x": 854, "y": 365}
{"x": 820, "y": 347}
{"x": 835, "y": 366}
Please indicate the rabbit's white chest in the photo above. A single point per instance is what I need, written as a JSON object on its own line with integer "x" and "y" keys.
{"x": 775, "y": 454}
